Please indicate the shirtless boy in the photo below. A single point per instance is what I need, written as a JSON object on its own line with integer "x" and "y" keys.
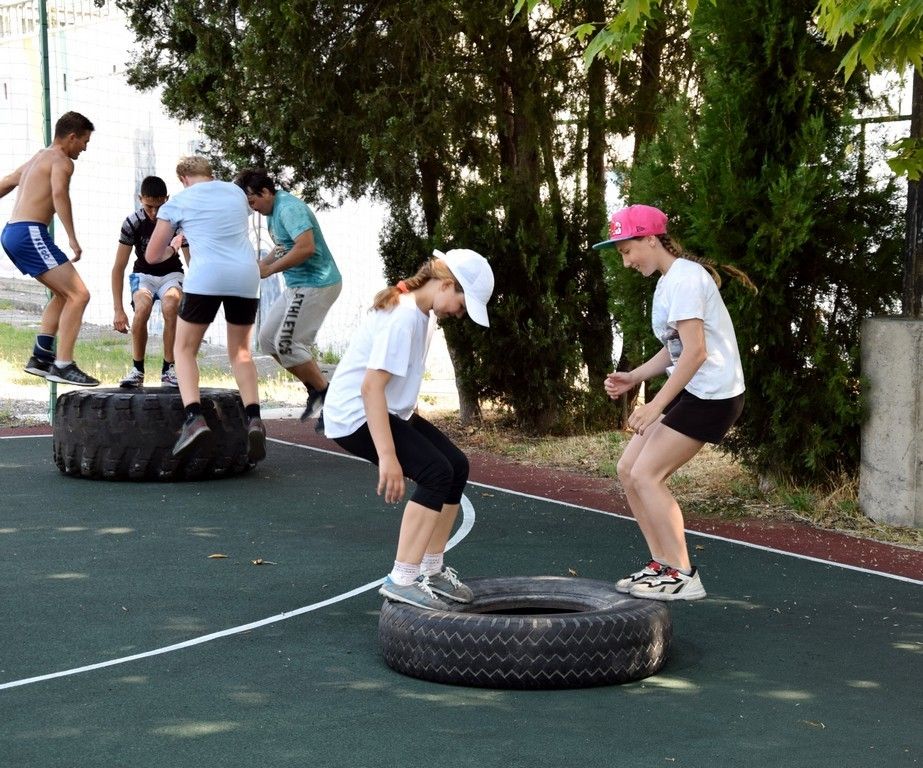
{"x": 44, "y": 190}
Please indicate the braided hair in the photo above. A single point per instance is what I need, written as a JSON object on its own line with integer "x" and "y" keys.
{"x": 677, "y": 250}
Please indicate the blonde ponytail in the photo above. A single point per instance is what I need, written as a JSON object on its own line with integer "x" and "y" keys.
{"x": 434, "y": 269}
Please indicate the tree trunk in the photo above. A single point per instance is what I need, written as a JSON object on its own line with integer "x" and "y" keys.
{"x": 595, "y": 331}
{"x": 646, "y": 115}
{"x": 913, "y": 259}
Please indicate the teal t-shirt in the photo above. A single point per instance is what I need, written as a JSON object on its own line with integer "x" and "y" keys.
{"x": 290, "y": 218}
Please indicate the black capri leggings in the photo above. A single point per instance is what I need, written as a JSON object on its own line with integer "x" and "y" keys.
{"x": 427, "y": 456}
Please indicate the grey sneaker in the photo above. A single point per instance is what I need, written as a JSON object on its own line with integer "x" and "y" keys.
{"x": 133, "y": 380}
{"x": 418, "y": 593}
{"x": 192, "y": 430}
{"x": 38, "y": 366}
{"x": 315, "y": 404}
{"x": 670, "y": 584}
{"x": 653, "y": 568}
{"x": 71, "y": 374}
{"x": 256, "y": 440}
{"x": 168, "y": 377}
{"x": 447, "y": 584}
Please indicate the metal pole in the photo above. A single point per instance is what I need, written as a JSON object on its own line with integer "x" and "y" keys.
{"x": 46, "y": 121}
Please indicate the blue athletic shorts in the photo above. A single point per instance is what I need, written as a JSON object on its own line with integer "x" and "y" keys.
{"x": 30, "y": 247}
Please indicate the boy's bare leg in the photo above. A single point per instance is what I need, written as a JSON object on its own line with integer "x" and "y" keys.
{"x": 144, "y": 303}
{"x": 67, "y": 316}
{"x": 188, "y": 340}
{"x": 309, "y": 372}
{"x": 242, "y": 365}
{"x": 169, "y": 307}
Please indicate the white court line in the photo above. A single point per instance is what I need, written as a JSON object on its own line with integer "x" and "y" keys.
{"x": 467, "y": 523}
{"x": 712, "y": 536}
{"x": 466, "y": 526}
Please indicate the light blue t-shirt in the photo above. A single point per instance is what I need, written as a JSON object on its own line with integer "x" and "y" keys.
{"x": 290, "y": 218}
{"x": 215, "y": 217}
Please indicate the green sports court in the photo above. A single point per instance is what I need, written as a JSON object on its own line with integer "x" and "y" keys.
{"x": 127, "y": 641}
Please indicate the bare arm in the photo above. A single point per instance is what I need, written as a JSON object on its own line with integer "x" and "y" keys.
{"x": 122, "y": 255}
{"x": 61, "y": 171}
{"x": 9, "y": 182}
{"x": 303, "y": 250}
{"x": 390, "y": 473}
{"x": 158, "y": 247}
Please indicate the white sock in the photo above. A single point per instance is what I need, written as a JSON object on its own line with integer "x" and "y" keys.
{"x": 63, "y": 363}
{"x": 432, "y": 564}
{"x": 404, "y": 574}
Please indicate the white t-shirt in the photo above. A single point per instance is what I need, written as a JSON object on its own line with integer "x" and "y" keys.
{"x": 685, "y": 292}
{"x": 215, "y": 217}
{"x": 392, "y": 340}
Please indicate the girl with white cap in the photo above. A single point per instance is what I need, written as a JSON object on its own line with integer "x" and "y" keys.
{"x": 701, "y": 400}
{"x": 369, "y": 411}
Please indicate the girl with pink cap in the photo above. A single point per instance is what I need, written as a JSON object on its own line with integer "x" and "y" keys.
{"x": 701, "y": 400}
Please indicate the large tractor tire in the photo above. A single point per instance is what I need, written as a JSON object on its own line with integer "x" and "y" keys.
{"x": 119, "y": 434}
{"x": 530, "y": 632}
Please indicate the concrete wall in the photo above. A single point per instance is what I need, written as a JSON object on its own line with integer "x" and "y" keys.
{"x": 891, "y": 475}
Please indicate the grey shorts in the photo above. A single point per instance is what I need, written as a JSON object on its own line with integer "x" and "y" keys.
{"x": 289, "y": 330}
{"x": 156, "y": 285}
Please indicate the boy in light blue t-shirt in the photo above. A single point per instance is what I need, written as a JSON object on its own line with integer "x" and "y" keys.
{"x": 312, "y": 283}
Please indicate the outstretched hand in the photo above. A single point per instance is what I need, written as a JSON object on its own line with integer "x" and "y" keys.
{"x": 618, "y": 383}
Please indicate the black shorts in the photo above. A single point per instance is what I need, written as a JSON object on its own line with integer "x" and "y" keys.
{"x": 705, "y": 420}
{"x": 201, "y": 310}
{"x": 426, "y": 455}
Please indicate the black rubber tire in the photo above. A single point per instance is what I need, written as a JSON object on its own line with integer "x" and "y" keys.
{"x": 122, "y": 434}
{"x": 532, "y": 633}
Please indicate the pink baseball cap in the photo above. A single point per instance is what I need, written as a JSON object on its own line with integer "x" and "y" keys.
{"x": 635, "y": 221}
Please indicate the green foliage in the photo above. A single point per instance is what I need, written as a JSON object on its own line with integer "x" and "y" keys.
{"x": 446, "y": 112}
{"x": 888, "y": 33}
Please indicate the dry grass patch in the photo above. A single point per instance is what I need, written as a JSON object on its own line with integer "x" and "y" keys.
{"x": 713, "y": 484}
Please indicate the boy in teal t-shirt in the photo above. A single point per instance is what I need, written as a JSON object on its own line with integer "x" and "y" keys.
{"x": 312, "y": 283}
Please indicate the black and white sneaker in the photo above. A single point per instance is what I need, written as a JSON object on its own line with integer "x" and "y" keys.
{"x": 71, "y": 374}
{"x": 315, "y": 403}
{"x": 670, "y": 584}
{"x": 653, "y": 568}
{"x": 38, "y": 366}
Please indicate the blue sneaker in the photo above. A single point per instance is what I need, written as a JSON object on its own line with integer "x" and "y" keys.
{"x": 447, "y": 584}
{"x": 419, "y": 593}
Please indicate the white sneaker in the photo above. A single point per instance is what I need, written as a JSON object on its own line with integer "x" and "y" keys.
{"x": 670, "y": 584}
{"x": 133, "y": 380}
{"x": 653, "y": 568}
{"x": 168, "y": 377}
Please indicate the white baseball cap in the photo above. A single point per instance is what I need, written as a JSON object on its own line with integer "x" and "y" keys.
{"x": 476, "y": 278}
